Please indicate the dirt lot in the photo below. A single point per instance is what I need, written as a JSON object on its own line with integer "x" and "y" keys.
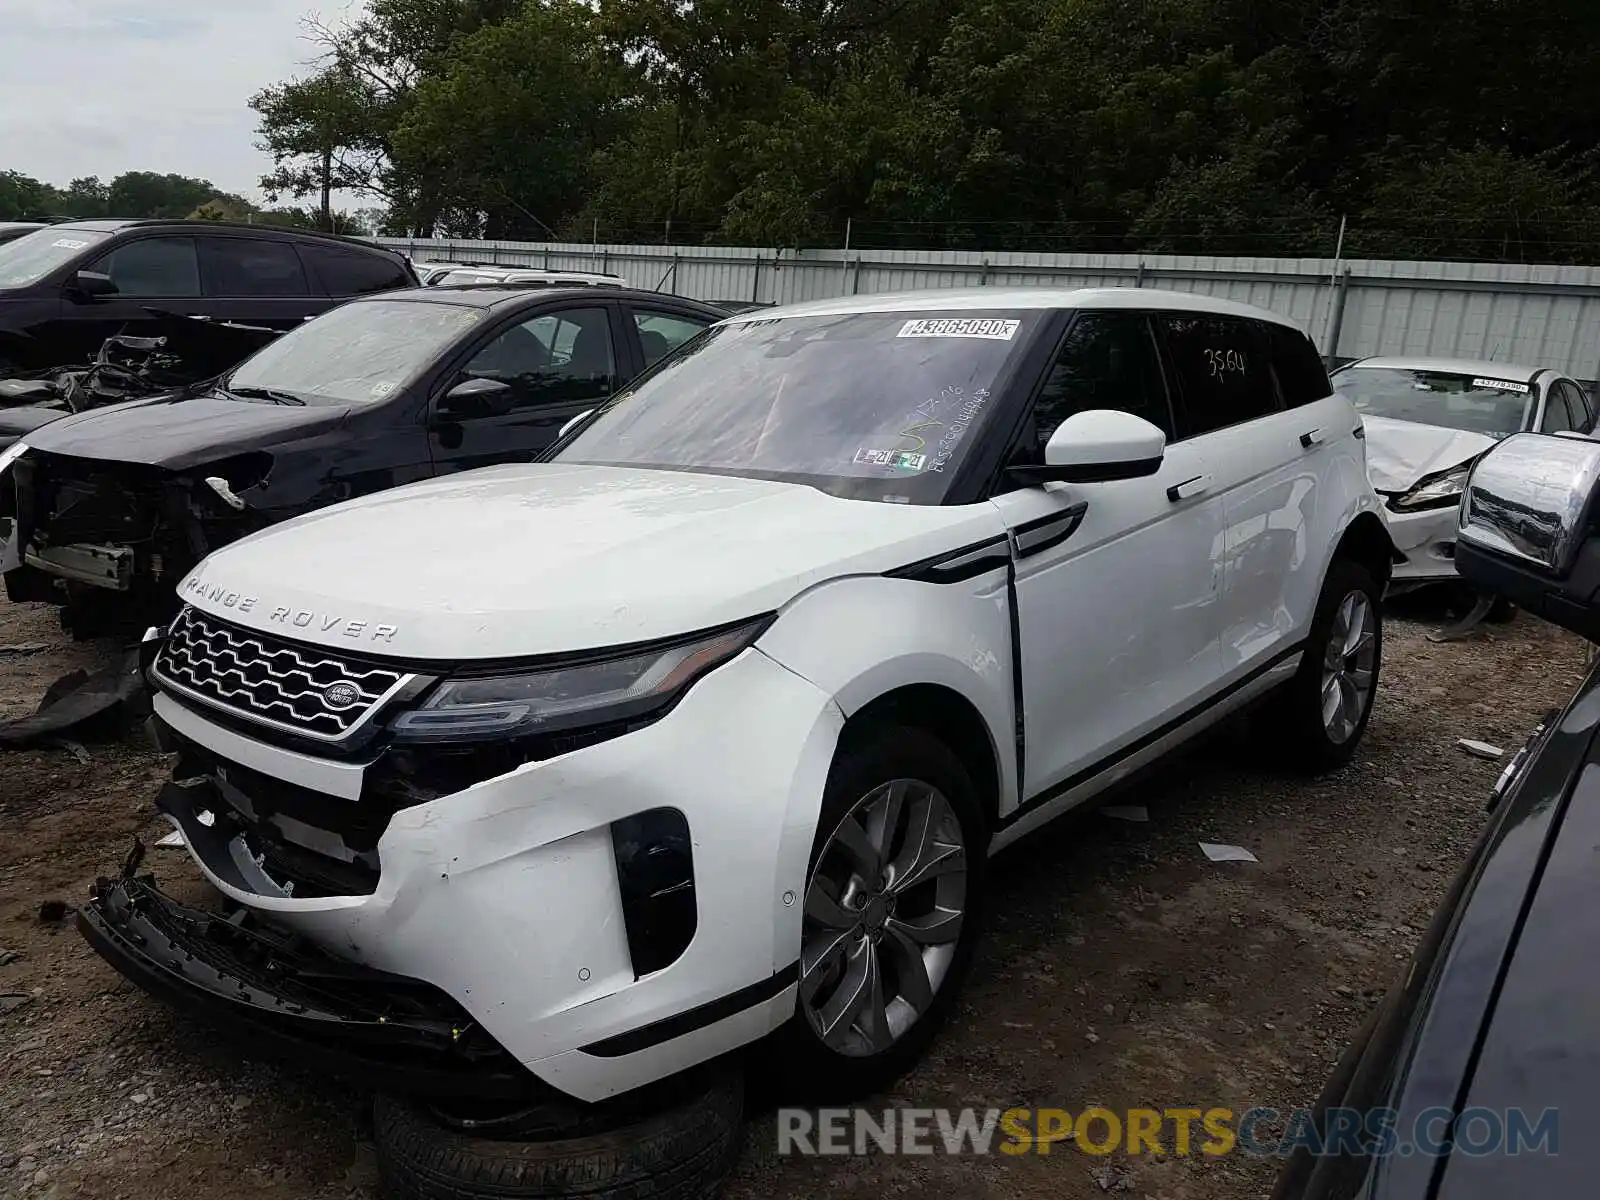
{"x": 1123, "y": 968}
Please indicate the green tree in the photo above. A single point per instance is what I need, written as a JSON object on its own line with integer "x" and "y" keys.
{"x": 507, "y": 132}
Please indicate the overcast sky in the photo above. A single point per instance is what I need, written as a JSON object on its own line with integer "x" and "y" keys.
{"x": 98, "y": 87}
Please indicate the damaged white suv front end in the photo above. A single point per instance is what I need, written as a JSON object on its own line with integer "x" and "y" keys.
{"x": 579, "y": 774}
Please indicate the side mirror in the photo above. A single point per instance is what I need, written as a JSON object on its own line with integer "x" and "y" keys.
{"x": 1527, "y": 528}
{"x": 475, "y": 398}
{"x": 574, "y": 423}
{"x": 1098, "y": 446}
{"x": 92, "y": 283}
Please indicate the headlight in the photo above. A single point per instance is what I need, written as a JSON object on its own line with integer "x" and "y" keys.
{"x": 11, "y": 453}
{"x": 1436, "y": 491}
{"x": 569, "y": 695}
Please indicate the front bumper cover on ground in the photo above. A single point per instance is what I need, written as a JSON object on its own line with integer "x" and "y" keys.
{"x": 282, "y": 994}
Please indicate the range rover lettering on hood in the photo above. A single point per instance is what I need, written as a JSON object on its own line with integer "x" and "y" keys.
{"x": 220, "y": 596}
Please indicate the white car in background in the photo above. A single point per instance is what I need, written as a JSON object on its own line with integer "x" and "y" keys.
{"x": 527, "y": 276}
{"x": 703, "y": 729}
{"x": 1427, "y": 420}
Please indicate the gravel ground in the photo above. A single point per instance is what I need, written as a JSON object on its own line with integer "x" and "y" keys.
{"x": 1122, "y": 967}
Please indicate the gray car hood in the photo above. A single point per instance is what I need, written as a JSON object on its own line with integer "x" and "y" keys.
{"x": 1401, "y": 453}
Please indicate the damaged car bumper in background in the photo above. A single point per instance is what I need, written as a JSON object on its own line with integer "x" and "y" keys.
{"x": 115, "y": 537}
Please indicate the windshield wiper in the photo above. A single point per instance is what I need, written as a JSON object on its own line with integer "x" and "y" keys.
{"x": 262, "y": 393}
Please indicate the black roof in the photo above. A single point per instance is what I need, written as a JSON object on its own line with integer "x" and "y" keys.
{"x": 117, "y": 224}
{"x": 502, "y": 295}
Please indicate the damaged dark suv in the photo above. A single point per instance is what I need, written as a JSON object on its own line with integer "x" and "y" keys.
{"x": 103, "y": 512}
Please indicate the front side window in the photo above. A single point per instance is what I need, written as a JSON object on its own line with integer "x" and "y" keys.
{"x": 553, "y": 358}
{"x": 1577, "y": 405}
{"x": 250, "y": 267}
{"x": 1557, "y": 418}
{"x": 32, "y": 256}
{"x": 361, "y": 353}
{"x": 1223, "y": 369}
{"x": 1482, "y": 404}
{"x": 154, "y": 266}
{"x": 1107, "y": 361}
{"x": 661, "y": 333}
{"x": 876, "y": 405}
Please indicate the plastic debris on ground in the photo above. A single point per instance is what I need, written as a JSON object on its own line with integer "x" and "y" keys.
{"x": 175, "y": 838}
{"x": 1220, "y": 853}
{"x": 81, "y": 700}
{"x": 1480, "y": 749}
{"x": 1127, "y": 812}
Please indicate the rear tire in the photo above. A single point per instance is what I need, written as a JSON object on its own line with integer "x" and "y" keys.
{"x": 893, "y": 903}
{"x": 1322, "y": 713}
{"x": 682, "y": 1150}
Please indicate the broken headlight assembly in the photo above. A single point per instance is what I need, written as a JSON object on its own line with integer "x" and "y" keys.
{"x": 1440, "y": 490}
{"x": 571, "y": 694}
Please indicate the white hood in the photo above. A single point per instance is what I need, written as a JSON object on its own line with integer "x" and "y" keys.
{"x": 527, "y": 560}
{"x": 1399, "y": 453}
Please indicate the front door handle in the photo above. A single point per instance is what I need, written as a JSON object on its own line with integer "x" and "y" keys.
{"x": 1310, "y": 438}
{"x": 1188, "y": 488}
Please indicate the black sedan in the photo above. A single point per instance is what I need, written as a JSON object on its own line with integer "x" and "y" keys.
{"x": 108, "y": 509}
{"x": 1475, "y": 1080}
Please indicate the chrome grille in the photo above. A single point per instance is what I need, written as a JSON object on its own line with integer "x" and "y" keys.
{"x": 257, "y": 676}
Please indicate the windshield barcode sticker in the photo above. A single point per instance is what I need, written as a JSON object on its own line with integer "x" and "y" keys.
{"x": 961, "y": 327}
{"x": 1505, "y": 385}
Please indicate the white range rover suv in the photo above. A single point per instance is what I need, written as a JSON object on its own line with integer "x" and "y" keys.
{"x": 588, "y": 771}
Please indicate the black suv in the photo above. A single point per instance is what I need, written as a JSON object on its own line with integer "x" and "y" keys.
{"x": 65, "y": 289}
{"x": 105, "y": 510}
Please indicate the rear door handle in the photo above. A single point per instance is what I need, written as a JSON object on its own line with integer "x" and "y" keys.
{"x": 1188, "y": 488}
{"x": 1310, "y": 438}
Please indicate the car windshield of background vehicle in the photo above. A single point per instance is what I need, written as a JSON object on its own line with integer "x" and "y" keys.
{"x": 359, "y": 353}
{"x": 1496, "y": 408}
{"x": 32, "y": 256}
{"x": 881, "y": 406}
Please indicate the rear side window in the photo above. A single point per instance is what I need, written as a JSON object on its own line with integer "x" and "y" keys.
{"x": 661, "y": 333}
{"x": 342, "y": 272}
{"x": 153, "y": 266}
{"x": 250, "y": 267}
{"x": 1223, "y": 369}
{"x": 1301, "y": 376}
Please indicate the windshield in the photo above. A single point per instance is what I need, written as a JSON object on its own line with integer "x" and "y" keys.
{"x": 880, "y": 406}
{"x": 1482, "y": 404}
{"x": 29, "y": 258}
{"x": 358, "y": 353}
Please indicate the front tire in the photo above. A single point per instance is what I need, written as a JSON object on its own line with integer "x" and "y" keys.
{"x": 891, "y": 917}
{"x": 1326, "y": 706}
{"x": 676, "y": 1141}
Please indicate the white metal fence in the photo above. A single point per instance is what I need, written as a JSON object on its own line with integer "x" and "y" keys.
{"x": 1536, "y": 315}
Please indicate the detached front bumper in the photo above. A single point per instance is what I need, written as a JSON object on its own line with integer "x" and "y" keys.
{"x": 261, "y": 982}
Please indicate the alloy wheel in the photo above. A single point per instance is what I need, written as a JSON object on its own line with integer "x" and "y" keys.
{"x": 1349, "y": 665}
{"x": 883, "y": 915}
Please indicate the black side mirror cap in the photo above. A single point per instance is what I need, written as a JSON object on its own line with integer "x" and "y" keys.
{"x": 92, "y": 283}
{"x": 475, "y": 398}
